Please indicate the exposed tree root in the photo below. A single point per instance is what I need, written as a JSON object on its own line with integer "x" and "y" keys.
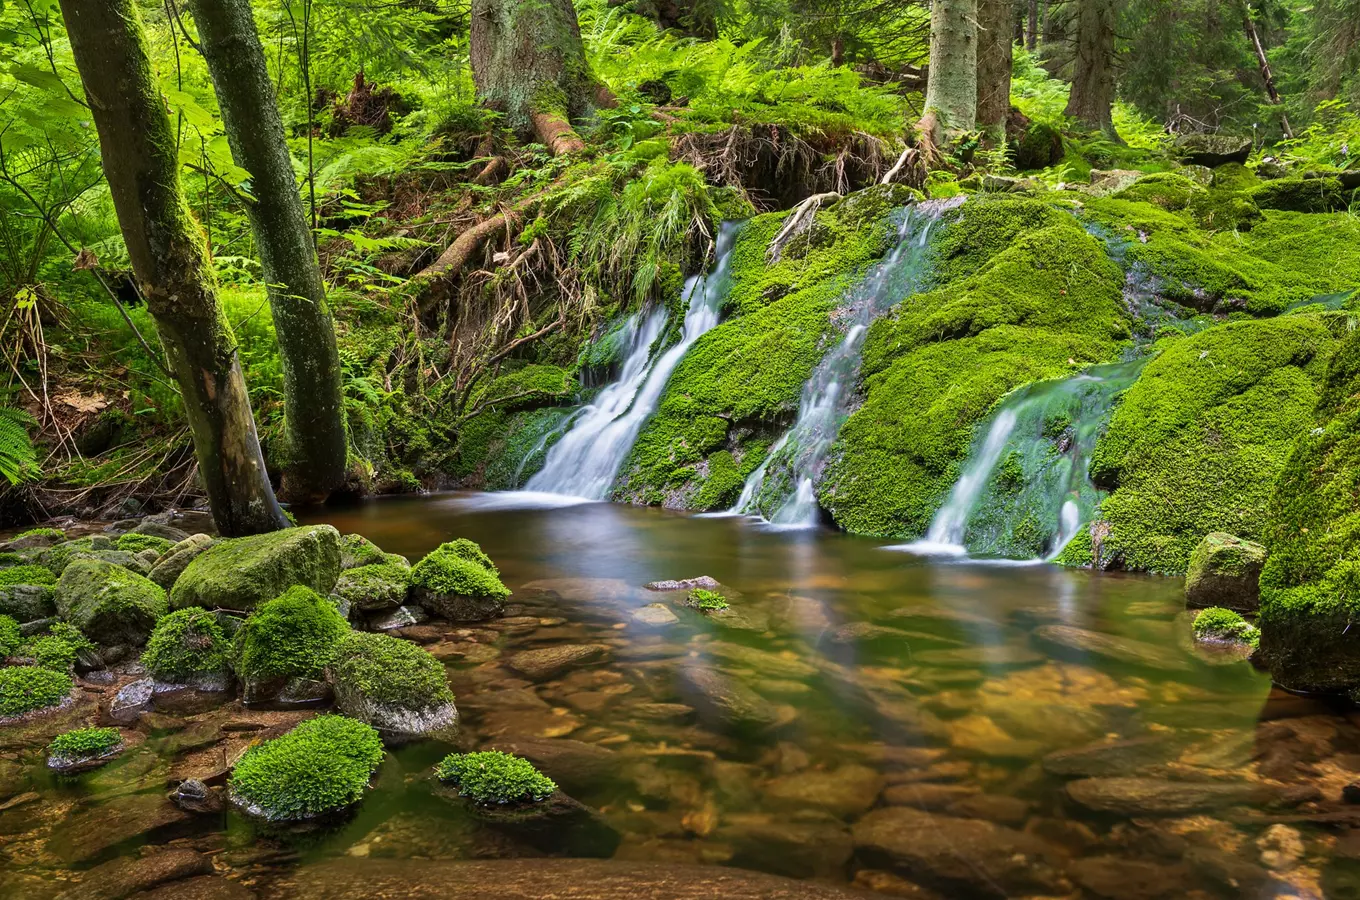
{"x": 799, "y": 221}
{"x": 493, "y": 172}
{"x": 930, "y": 138}
{"x": 556, "y": 133}
{"x": 909, "y": 168}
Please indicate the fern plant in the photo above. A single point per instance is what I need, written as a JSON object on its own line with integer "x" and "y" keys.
{"x": 18, "y": 458}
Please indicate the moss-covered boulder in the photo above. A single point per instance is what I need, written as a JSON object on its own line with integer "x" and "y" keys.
{"x": 357, "y": 550}
{"x": 1213, "y": 149}
{"x": 189, "y": 647}
{"x": 1304, "y": 195}
{"x": 1224, "y": 571}
{"x": 135, "y": 543}
{"x": 30, "y": 689}
{"x": 319, "y": 768}
{"x": 459, "y": 582}
{"x": 176, "y": 559}
{"x": 28, "y": 602}
{"x": 26, "y": 574}
{"x": 285, "y": 643}
{"x": 1165, "y": 189}
{"x": 494, "y": 778}
{"x": 83, "y": 749}
{"x": 1223, "y": 626}
{"x": 393, "y": 685}
{"x": 109, "y": 603}
{"x": 245, "y": 572}
{"x": 97, "y": 546}
{"x": 33, "y": 539}
{"x": 382, "y": 585}
{"x": 1039, "y": 147}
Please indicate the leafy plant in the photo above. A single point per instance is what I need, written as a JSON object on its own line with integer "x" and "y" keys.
{"x": 493, "y": 777}
{"x": 18, "y": 457}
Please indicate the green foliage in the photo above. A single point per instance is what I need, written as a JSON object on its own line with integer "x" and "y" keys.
{"x": 492, "y": 777}
{"x": 42, "y": 532}
{"x": 460, "y": 568}
{"x": 1218, "y": 624}
{"x": 292, "y": 636}
{"x": 25, "y": 689}
{"x": 18, "y": 458}
{"x": 321, "y": 766}
{"x": 187, "y": 644}
{"x": 390, "y": 671}
{"x": 10, "y": 639}
{"x": 135, "y": 543}
{"x": 375, "y": 586}
{"x": 50, "y": 652}
{"x": 707, "y": 600}
{"x": 26, "y": 574}
{"x": 85, "y": 743}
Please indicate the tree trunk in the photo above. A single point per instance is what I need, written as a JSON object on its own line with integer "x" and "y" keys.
{"x": 1092, "y": 97}
{"x": 994, "y": 67}
{"x": 169, "y": 259}
{"x": 529, "y": 63}
{"x": 317, "y": 443}
{"x": 952, "y": 86}
{"x": 1032, "y": 27}
{"x": 1267, "y": 76}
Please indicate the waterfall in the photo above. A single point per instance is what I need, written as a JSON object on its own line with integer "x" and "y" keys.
{"x": 798, "y": 457}
{"x": 1025, "y": 489}
{"x": 585, "y": 462}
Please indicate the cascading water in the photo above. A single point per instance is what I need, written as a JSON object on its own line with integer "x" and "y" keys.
{"x": 1026, "y": 489}
{"x": 585, "y": 462}
{"x": 783, "y": 488}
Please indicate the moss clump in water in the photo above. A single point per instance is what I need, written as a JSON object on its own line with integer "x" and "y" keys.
{"x": 85, "y": 743}
{"x": 493, "y": 777}
{"x": 707, "y": 600}
{"x": 292, "y": 636}
{"x": 459, "y": 568}
{"x": 27, "y": 574}
{"x": 56, "y": 533}
{"x": 381, "y": 669}
{"x": 25, "y": 689}
{"x": 187, "y": 645}
{"x": 1218, "y": 624}
{"x": 321, "y": 766}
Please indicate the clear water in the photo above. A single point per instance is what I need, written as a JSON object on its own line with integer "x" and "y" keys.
{"x": 783, "y": 488}
{"x": 585, "y": 462}
{"x": 894, "y": 684}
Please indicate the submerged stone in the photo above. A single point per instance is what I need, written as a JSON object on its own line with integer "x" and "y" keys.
{"x": 725, "y": 701}
{"x": 1160, "y": 797}
{"x": 550, "y": 662}
{"x": 128, "y": 875}
{"x": 1225, "y": 571}
{"x": 243, "y": 573}
{"x": 1068, "y": 641}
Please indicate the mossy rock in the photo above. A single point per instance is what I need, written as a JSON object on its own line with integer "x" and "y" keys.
{"x": 83, "y": 749}
{"x": 243, "y": 573}
{"x": 98, "y": 546}
{"x": 320, "y": 768}
{"x": 1217, "y": 624}
{"x": 31, "y": 689}
{"x": 109, "y": 603}
{"x": 28, "y": 602}
{"x": 1213, "y": 150}
{"x": 393, "y": 685}
{"x": 135, "y": 543}
{"x": 189, "y": 647}
{"x": 26, "y": 574}
{"x": 1039, "y": 148}
{"x": 459, "y": 582}
{"x": 382, "y": 585}
{"x": 1165, "y": 189}
{"x": 357, "y": 550}
{"x": 292, "y": 637}
{"x": 176, "y": 559}
{"x": 1305, "y": 195}
{"x": 1224, "y": 571}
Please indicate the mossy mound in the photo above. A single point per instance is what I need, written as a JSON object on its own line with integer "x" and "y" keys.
{"x": 739, "y": 385}
{"x": 493, "y": 777}
{"x": 245, "y": 572}
{"x": 109, "y": 603}
{"x": 392, "y": 685}
{"x": 1165, "y": 189}
{"x": 28, "y": 602}
{"x": 357, "y": 550}
{"x": 380, "y": 586}
{"x": 1024, "y": 294}
{"x": 136, "y": 543}
{"x": 458, "y": 581}
{"x": 83, "y": 749}
{"x": 521, "y": 409}
{"x": 10, "y": 636}
{"x": 320, "y": 767}
{"x": 1305, "y": 195}
{"x": 1224, "y": 625}
{"x": 1225, "y": 571}
{"x": 292, "y": 636}
{"x": 26, "y": 574}
{"x": 1196, "y": 444}
{"x": 26, "y": 689}
{"x": 98, "y": 546}
{"x": 50, "y": 652}
{"x": 188, "y": 647}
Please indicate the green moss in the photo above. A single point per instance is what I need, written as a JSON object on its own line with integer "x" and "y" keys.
{"x": 10, "y": 637}
{"x": 42, "y": 532}
{"x": 357, "y": 550}
{"x": 109, "y": 603}
{"x": 293, "y": 636}
{"x": 459, "y": 568}
{"x": 85, "y": 742}
{"x": 707, "y": 600}
{"x": 9, "y": 559}
{"x": 375, "y": 586}
{"x": 1305, "y": 195}
{"x": 25, "y": 689}
{"x": 185, "y": 645}
{"x": 242, "y": 573}
{"x": 50, "y": 652}
{"x": 1079, "y": 552}
{"x": 29, "y": 574}
{"x": 1218, "y": 624}
{"x": 493, "y": 777}
{"x": 1165, "y": 189}
{"x": 136, "y": 543}
{"x": 321, "y": 766}
{"x": 1196, "y": 444}
{"x": 71, "y": 635}
{"x": 390, "y": 671}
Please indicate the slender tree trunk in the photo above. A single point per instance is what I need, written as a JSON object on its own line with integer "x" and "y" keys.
{"x": 529, "y": 63}
{"x": 1032, "y": 27}
{"x": 317, "y": 443}
{"x": 1267, "y": 76}
{"x": 994, "y": 67}
{"x": 1092, "y": 97}
{"x": 169, "y": 259}
{"x": 952, "y": 85}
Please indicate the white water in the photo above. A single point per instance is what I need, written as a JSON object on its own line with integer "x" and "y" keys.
{"x": 585, "y": 462}
{"x": 822, "y": 407}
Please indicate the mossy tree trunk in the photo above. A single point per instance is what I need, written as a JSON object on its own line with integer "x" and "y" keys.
{"x": 317, "y": 445}
{"x": 170, "y": 260}
{"x": 952, "y": 85}
{"x": 1092, "y": 98}
{"x": 529, "y": 63}
{"x": 994, "y": 67}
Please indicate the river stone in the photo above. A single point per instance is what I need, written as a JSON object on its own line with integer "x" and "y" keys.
{"x": 723, "y": 699}
{"x": 244, "y": 573}
{"x": 1129, "y": 879}
{"x": 1213, "y": 150}
{"x": 161, "y": 530}
{"x": 74, "y": 765}
{"x": 175, "y": 560}
{"x": 204, "y": 887}
{"x": 959, "y": 857}
{"x": 127, "y": 875}
{"x": 1110, "y": 758}
{"x": 529, "y": 879}
{"x": 1067, "y": 640}
{"x": 110, "y": 604}
{"x": 686, "y": 584}
{"x": 806, "y": 847}
{"x": 1224, "y": 571}
{"x": 557, "y": 824}
{"x": 192, "y": 795}
{"x": 1160, "y": 797}
{"x": 370, "y": 589}
{"x": 845, "y": 791}
{"x": 30, "y": 542}
{"x": 549, "y": 662}
{"x": 132, "y": 700}
{"x": 27, "y": 602}
{"x": 762, "y": 661}
{"x": 929, "y": 796}
{"x": 89, "y": 833}
{"x": 401, "y": 617}
{"x": 655, "y": 615}
{"x": 575, "y": 765}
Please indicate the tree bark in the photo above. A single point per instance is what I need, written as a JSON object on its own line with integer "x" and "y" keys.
{"x": 169, "y": 259}
{"x": 994, "y": 67}
{"x": 952, "y": 86}
{"x": 1092, "y": 98}
{"x": 318, "y": 447}
{"x": 1032, "y": 27}
{"x": 1267, "y": 76}
{"x": 529, "y": 63}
